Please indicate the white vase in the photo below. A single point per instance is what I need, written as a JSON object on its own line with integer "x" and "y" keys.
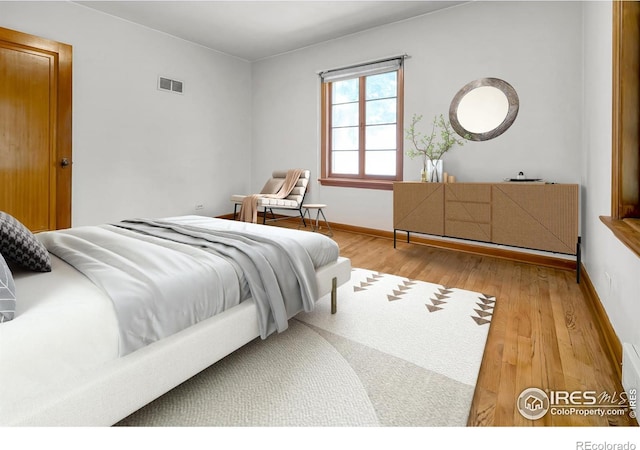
{"x": 434, "y": 171}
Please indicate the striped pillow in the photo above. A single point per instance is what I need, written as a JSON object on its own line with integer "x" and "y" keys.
{"x": 19, "y": 244}
{"x": 7, "y": 292}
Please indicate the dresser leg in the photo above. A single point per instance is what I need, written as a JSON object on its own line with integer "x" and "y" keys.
{"x": 578, "y": 258}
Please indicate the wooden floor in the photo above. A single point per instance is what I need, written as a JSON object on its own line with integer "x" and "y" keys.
{"x": 542, "y": 334}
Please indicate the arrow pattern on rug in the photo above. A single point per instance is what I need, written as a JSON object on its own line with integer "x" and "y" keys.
{"x": 483, "y": 312}
{"x": 402, "y": 288}
{"x": 443, "y": 293}
{"x": 365, "y": 284}
{"x": 485, "y": 309}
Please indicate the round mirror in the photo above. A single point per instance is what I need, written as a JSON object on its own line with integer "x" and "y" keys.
{"x": 484, "y": 109}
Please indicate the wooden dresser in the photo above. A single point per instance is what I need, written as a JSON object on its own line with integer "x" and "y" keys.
{"x": 534, "y": 216}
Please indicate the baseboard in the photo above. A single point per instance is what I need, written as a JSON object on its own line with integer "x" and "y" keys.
{"x": 612, "y": 343}
{"x": 469, "y": 247}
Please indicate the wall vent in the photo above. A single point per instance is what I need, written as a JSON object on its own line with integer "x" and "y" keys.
{"x": 167, "y": 84}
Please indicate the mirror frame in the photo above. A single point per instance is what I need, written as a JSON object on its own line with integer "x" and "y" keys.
{"x": 507, "y": 90}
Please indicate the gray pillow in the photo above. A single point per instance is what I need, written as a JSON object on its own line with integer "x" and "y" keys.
{"x": 19, "y": 244}
{"x": 272, "y": 186}
{"x": 7, "y": 292}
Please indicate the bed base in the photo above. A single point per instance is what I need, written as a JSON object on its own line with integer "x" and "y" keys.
{"x": 122, "y": 386}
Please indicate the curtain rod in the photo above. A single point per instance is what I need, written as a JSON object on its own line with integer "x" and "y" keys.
{"x": 364, "y": 63}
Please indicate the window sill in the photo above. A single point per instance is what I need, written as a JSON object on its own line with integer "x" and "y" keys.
{"x": 386, "y": 185}
{"x": 626, "y": 230}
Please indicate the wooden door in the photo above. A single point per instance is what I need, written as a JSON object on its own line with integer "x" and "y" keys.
{"x": 35, "y": 130}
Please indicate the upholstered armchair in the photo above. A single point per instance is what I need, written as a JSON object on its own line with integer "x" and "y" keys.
{"x": 292, "y": 202}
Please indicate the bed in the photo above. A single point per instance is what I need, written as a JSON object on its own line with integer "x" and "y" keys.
{"x": 65, "y": 359}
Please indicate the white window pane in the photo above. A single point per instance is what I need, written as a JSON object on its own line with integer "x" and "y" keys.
{"x": 345, "y": 91}
{"x": 381, "y": 111}
{"x": 380, "y": 163}
{"x": 344, "y": 115}
{"x": 381, "y": 137}
{"x": 383, "y": 85}
{"x": 345, "y": 138}
{"x": 345, "y": 163}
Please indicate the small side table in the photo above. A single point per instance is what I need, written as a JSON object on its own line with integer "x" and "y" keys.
{"x": 318, "y": 207}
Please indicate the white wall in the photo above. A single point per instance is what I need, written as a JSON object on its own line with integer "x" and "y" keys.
{"x": 603, "y": 253}
{"x": 535, "y": 46}
{"x": 138, "y": 151}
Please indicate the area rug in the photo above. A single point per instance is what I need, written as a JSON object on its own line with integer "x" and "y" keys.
{"x": 398, "y": 352}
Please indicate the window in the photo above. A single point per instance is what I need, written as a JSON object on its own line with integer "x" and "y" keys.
{"x": 625, "y": 176}
{"x": 362, "y": 128}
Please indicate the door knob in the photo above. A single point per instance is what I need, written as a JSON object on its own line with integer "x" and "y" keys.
{"x": 64, "y": 162}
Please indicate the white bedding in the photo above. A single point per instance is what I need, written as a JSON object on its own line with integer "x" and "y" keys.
{"x": 320, "y": 250}
{"x": 66, "y": 327}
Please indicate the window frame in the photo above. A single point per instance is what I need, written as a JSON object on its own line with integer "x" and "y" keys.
{"x": 625, "y": 148}
{"x": 360, "y": 181}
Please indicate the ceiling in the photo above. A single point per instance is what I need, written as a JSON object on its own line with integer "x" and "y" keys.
{"x": 254, "y": 30}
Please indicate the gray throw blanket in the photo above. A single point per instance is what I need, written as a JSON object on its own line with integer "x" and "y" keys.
{"x": 158, "y": 290}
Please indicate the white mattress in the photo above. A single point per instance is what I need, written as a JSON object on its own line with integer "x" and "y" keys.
{"x": 65, "y": 327}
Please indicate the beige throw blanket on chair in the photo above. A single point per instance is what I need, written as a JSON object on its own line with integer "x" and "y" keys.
{"x": 249, "y": 207}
